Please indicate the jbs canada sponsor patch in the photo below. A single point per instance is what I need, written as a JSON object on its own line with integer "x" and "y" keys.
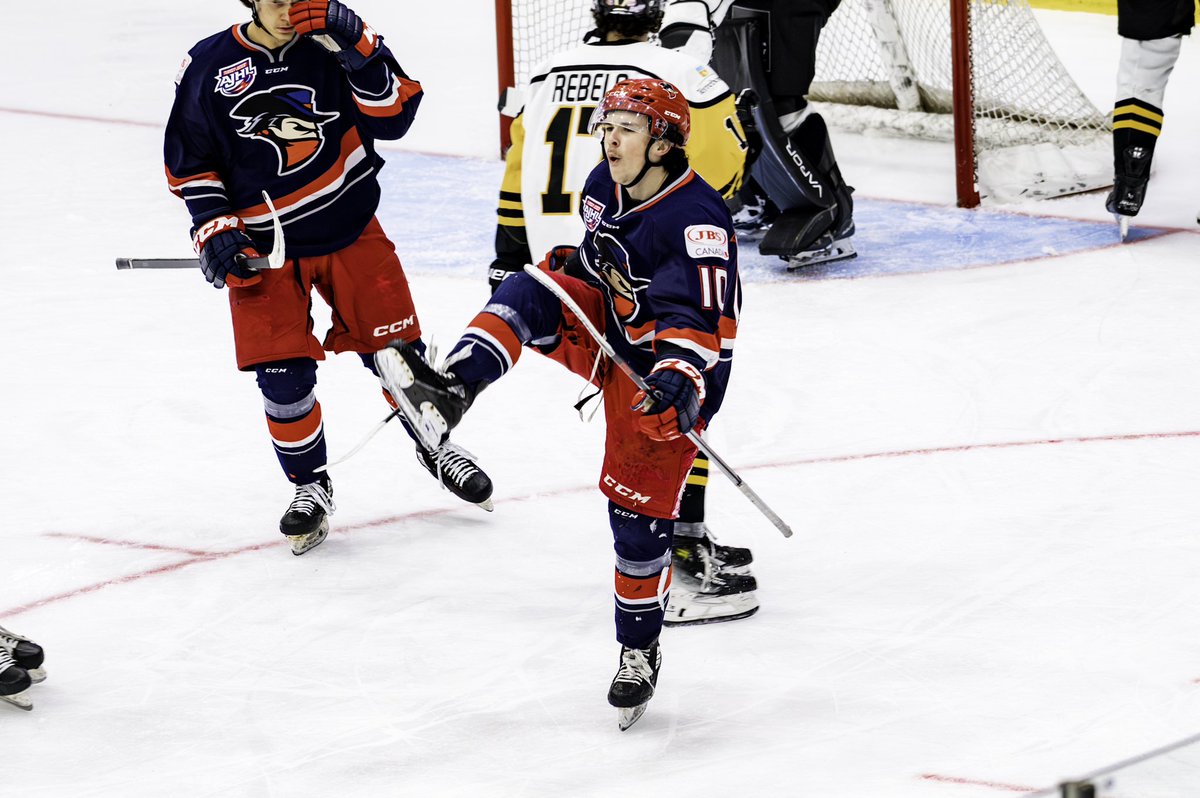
{"x": 592, "y": 211}
{"x": 706, "y": 241}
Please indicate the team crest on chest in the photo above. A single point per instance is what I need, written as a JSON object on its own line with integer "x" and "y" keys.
{"x": 592, "y": 211}
{"x": 287, "y": 118}
{"x": 234, "y": 79}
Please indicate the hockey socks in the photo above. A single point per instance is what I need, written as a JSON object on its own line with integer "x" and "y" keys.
{"x": 298, "y": 435}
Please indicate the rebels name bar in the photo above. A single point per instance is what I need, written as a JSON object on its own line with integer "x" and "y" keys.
{"x": 583, "y": 87}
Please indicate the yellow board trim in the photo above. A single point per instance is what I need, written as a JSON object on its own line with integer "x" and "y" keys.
{"x": 1127, "y": 123}
{"x": 1090, "y": 6}
{"x": 1137, "y": 109}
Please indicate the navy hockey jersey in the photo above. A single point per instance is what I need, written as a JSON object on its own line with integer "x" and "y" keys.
{"x": 291, "y": 122}
{"x": 668, "y": 268}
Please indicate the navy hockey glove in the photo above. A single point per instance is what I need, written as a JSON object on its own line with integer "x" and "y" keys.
{"x": 338, "y": 29}
{"x": 223, "y": 247}
{"x": 673, "y": 405}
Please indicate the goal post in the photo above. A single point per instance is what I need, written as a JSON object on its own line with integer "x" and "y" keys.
{"x": 978, "y": 73}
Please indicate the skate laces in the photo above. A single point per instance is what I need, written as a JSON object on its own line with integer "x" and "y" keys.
{"x": 6, "y": 660}
{"x": 635, "y": 666}
{"x": 8, "y": 640}
{"x": 455, "y": 462}
{"x": 309, "y": 497}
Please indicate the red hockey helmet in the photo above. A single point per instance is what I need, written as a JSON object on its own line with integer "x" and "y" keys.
{"x": 659, "y": 101}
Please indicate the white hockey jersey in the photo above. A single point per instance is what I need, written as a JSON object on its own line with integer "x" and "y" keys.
{"x": 552, "y": 152}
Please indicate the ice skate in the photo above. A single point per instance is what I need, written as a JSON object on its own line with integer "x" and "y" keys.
{"x": 456, "y": 469}
{"x": 26, "y": 653}
{"x": 432, "y": 402}
{"x": 14, "y": 682}
{"x": 633, "y": 686}
{"x": 826, "y": 249}
{"x": 1129, "y": 186}
{"x": 706, "y": 590}
{"x": 690, "y": 538}
{"x": 306, "y": 522}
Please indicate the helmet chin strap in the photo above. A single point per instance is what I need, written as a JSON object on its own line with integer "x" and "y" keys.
{"x": 645, "y": 167}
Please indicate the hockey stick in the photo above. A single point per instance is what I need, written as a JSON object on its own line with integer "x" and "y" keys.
{"x": 361, "y": 443}
{"x": 272, "y": 261}
{"x": 693, "y": 436}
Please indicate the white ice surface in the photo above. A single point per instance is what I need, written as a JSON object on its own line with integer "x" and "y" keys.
{"x": 991, "y": 473}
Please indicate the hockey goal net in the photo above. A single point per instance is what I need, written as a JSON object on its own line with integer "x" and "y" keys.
{"x": 979, "y": 72}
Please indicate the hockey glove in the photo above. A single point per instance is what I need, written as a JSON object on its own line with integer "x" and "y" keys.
{"x": 673, "y": 404}
{"x": 223, "y": 247}
{"x": 562, "y": 259}
{"x": 338, "y": 29}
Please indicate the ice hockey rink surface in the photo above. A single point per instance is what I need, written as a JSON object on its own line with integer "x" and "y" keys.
{"x": 985, "y": 432}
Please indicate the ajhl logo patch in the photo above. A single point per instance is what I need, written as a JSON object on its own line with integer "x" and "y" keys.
{"x": 234, "y": 79}
{"x": 592, "y": 211}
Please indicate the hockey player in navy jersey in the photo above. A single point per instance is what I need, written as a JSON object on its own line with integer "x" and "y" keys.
{"x": 539, "y": 210}
{"x": 657, "y": 272}
{"x": 291, "y": 102}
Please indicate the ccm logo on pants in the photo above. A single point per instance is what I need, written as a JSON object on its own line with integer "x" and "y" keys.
{"x": 394, "y": 327}
{"x": 628, "y": 493}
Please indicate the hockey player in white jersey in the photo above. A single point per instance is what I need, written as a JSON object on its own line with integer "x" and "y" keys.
{"x": 1151, "y": 36}
{"x": 551, "y": 155}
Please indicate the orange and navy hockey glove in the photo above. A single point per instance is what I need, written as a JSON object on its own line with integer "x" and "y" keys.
{"x": 673, "y": 405}
{"x": 223, "y": 247}
{"x": 338, "y": 29}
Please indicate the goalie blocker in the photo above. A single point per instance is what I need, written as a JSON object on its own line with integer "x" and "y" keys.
{"x": 797, "y": 171}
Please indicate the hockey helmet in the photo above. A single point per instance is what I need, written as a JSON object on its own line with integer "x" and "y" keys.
{"x": 629, "y": 9}
{"x": 659, "y": 101}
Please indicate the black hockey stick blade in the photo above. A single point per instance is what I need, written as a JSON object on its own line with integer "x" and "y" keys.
{"x": 272, "y": 261}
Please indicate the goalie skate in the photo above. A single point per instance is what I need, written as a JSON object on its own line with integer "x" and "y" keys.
{"x": 692, "y": 608}
{"x": 827, "y": 250}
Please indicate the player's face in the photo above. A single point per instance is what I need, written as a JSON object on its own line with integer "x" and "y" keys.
{"x": 626, "y": 138}
{"x": 273, "y": 19}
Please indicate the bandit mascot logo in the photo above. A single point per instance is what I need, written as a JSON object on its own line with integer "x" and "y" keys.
{"x": 286, "y": 118}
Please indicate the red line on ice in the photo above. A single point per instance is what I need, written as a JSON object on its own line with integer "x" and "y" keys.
{"x": 996, "y": 785}
{"x": 198, "y": 556}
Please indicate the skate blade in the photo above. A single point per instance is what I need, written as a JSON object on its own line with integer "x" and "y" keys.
{"x": 38, "y": 675}
{"x": 841, "y": 250}
{"x": 426, "y": 422}
{"x": 303, "y": 543}
{"x": 1123, "y": 227}
{"x": 20, "y": 701}
{"x": 486, "y": 504}
{"x": 627, "y": 716}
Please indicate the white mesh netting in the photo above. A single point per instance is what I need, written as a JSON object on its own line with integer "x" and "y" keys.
{"x": 1036, "y": 133}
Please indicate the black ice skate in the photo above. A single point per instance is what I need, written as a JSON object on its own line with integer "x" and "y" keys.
{"x": 633, "y": 686}
{"x": 455, "y": 468}
{"x": 713, "y": 583}
{"x": 306, "y": 522}
{"x": 432, "y": 402}
{"x": 686, "y": 552}
{"x": 14, "y": 682}
{"x": 1129, "y": 185}
{"x": 26, "y": 653}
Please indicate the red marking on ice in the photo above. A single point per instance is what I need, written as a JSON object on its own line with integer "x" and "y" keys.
{"x": 198, "y": 556}
{"x": 995, "y": 785}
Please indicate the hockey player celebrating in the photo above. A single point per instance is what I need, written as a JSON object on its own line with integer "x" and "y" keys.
{"x": 657, "y": 272}
{"x": 540, "y": 210}
{"x": 292, "y": 102}
{"x": 1151, "y": 36}
{"x": 20, "y": 667}
{"x": 770, "y": 48}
